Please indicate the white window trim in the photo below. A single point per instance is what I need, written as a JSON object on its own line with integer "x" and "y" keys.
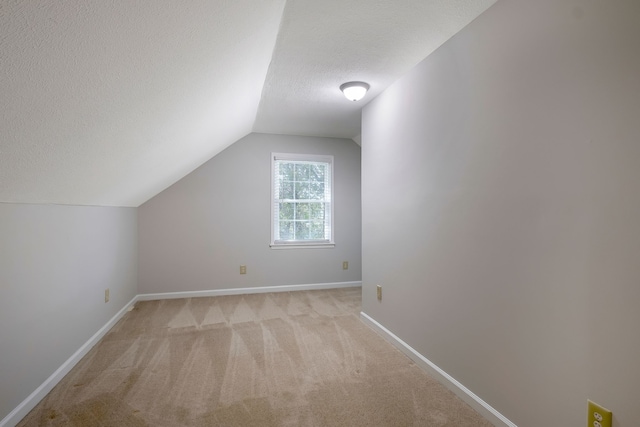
{"x": 310, "y": 244}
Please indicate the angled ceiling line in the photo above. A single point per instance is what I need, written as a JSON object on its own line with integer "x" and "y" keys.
{"x": 266, "y": 74}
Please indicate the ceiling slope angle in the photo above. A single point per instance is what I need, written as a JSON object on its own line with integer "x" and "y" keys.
{"x": 323, "y": 44}
{"x": 108, "y": 103}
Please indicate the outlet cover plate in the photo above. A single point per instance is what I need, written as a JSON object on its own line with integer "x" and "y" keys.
{"x": 598, "y": 415}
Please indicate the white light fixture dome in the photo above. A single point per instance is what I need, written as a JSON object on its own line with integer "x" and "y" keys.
{"x": 354, "y": 91}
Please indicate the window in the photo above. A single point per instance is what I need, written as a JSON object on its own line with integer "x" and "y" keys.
{"x": 301, "y": 196}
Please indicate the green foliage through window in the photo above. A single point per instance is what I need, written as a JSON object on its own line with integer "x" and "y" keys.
{"x": 302, "y": 202}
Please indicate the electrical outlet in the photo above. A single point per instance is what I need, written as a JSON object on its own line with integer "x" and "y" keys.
{"x": 345, "y": 265}
{"x": 106, "y": 295}
{"x": 379, "y": 291}
{"x": 243, "y": 269}
{"x": 598, "y": 416}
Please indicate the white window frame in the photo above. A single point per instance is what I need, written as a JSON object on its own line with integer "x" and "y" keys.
{"x": 274, "y": 206}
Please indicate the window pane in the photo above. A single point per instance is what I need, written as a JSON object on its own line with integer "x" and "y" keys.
{"x": 317, "y": 172}
{"x": 302, "y": 172}
{"x": 302, "y": 230}
{"x": 316, "y": 210}
{"x": 316, "y": 191}
{"x": 286, "y": 190}
{"x": 286, "y": 211}
{"x": 317, "y": 230}
{"x": 286, "y": 230}
{"x": 286, "y": 171}
{"x": 302, "y": 211}
{"x": 302, "y": 190}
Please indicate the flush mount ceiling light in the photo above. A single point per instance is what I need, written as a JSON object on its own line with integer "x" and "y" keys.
{"x": 354, "y": 91}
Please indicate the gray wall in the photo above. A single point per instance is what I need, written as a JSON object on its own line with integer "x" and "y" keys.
{"x": 196, "y": 234}
{"x": 55, "y": 263}
{"x": 501, "y": 210}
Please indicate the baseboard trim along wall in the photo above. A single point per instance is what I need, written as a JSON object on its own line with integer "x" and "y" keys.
{"x": 241, "y": 291}
{"x": 447, "y": 380}
{"x": 21, "y": 411}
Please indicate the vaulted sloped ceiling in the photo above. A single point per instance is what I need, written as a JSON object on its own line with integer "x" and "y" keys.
{"x": 108, "y": 103}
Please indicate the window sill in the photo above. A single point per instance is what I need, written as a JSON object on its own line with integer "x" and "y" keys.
{"x": 314, "y": 245}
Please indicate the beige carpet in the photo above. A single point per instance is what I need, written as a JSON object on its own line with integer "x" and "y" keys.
{"x": 279, "y": 359}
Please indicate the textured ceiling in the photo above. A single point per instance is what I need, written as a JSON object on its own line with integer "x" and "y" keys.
{"x": 322, "y": 44}
{"x": 108, "y": 103}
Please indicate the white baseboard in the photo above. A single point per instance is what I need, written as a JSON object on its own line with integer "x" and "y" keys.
{"x": 482, "y": 407}
{"x": 244, "y": 291}
{"x": 21, "y": 411}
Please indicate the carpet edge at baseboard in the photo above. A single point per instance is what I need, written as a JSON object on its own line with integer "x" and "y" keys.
{"x": 242, "y": 291}
{"x": 444, "y": 378}
{"x": 21, "y": 411}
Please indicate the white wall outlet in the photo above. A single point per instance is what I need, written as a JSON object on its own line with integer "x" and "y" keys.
{"x": 345, "y": 265}
{"x": 106, "y": 295}
{"x": 379, "y": 292}
{"x": 243, "y": 269}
